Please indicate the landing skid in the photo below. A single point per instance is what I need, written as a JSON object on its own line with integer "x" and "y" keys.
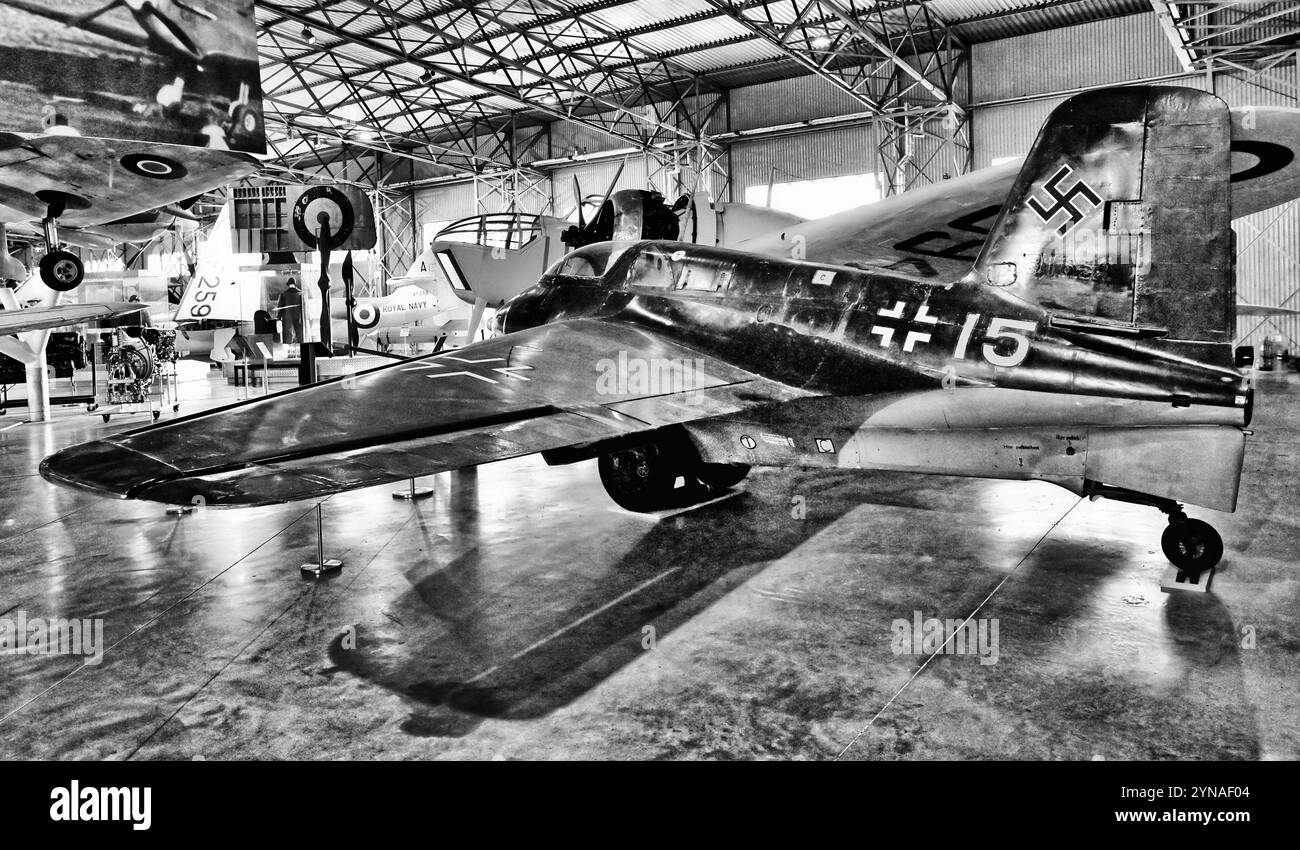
{"x": 1191, "y": 545}
{"x": 1176, "y": 581}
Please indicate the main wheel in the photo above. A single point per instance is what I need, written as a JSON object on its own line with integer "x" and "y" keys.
{"x": 721, "y": 476}
{"x": 639, "y": 478}
{"x": 1192, "y": 546}
{"x": 61, "y": 271}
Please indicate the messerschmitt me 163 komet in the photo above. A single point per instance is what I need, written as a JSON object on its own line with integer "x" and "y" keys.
{"x": 1090, "y": 346}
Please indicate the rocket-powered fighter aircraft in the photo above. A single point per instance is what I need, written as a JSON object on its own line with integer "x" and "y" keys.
{"x": 1089, "y": 345}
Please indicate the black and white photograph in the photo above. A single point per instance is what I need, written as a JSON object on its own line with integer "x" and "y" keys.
{"x": 911, "y": 383}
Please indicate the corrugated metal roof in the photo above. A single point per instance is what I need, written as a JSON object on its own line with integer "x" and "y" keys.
{"x": 382, "y": 48}
{"x": 641, "y": 13}
{"x": 980, "y": 21}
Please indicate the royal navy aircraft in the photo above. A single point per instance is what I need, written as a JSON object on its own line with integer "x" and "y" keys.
{"x": 408, "y": 306}
{"x": 1088, "y": 345}
{"x": 418, "y": 309}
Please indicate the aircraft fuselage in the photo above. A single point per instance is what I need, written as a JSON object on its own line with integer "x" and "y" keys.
{"x": 942, "y": 377}
{"x": 840, "y": 330}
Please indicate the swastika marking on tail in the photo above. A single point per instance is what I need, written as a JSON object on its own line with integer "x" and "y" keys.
{"x": 1064, "y": 201}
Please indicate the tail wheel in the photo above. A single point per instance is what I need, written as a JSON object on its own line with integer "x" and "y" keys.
{"x": 61, "y": 271}
{"x": 1192, "y": 545}
{"x": 639, "y": 478}
{"x": 721, "y": 476}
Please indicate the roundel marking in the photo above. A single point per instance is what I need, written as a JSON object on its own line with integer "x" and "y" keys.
{"x": 153, "y": 167}
{"x": 365, "y": 315}
{"x": 315, "y": 201}
{"x": 1269, "y": 157}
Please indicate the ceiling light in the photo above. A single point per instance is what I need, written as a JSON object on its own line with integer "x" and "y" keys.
{"x": 426, "y": 77}
{"x": 821, "y": 42}
{"x": 550, "y": 99}
{"x": 307, "y": 35}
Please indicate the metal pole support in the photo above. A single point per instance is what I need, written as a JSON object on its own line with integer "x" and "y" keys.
{"x": 412, "y": 493}
{"x": 322, "y": 566}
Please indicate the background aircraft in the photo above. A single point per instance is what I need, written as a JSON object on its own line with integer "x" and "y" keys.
{"x": 421, "y": 304}
{"x": 938, "y": 229}
{"x": 84, "y": 182}
{"x": 425, "y": 316}
{"x": 931, "y": 231}
{"x": 1088, "y": 346}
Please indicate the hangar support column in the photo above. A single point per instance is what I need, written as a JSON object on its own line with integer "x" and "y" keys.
{"x": 902, "y": 63}
{"x": 38, "y": 388}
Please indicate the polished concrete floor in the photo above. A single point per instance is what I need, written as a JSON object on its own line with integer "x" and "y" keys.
{"x": 515, "y": 616}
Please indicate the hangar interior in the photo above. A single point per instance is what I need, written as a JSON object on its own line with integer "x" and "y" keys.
{"x": 515, "y": 613}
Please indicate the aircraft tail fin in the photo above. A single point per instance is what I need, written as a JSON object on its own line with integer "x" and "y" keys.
{"x": 1120, "y": 220}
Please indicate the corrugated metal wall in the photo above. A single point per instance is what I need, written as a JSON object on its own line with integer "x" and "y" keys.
{"x": 787, "y": 101}
{"x": 1268, "y": 243}
{"x": 998, "y": 132}
{"x": 447, "y": 202}
{"x": 808, "y": 156}
{"x": 1117, "y": 49}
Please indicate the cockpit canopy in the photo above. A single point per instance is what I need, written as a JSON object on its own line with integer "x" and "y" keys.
{"x": 591, "y": 261}
{"x": 494, "y": 230}
{"x": 650, "y": 264}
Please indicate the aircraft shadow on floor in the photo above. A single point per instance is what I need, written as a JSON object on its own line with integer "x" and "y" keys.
{"x": 479, "y": 656}
{"x": 1097, "y": 682}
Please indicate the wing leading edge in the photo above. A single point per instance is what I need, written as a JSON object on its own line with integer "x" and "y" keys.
{"x": 545, "y": 388}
